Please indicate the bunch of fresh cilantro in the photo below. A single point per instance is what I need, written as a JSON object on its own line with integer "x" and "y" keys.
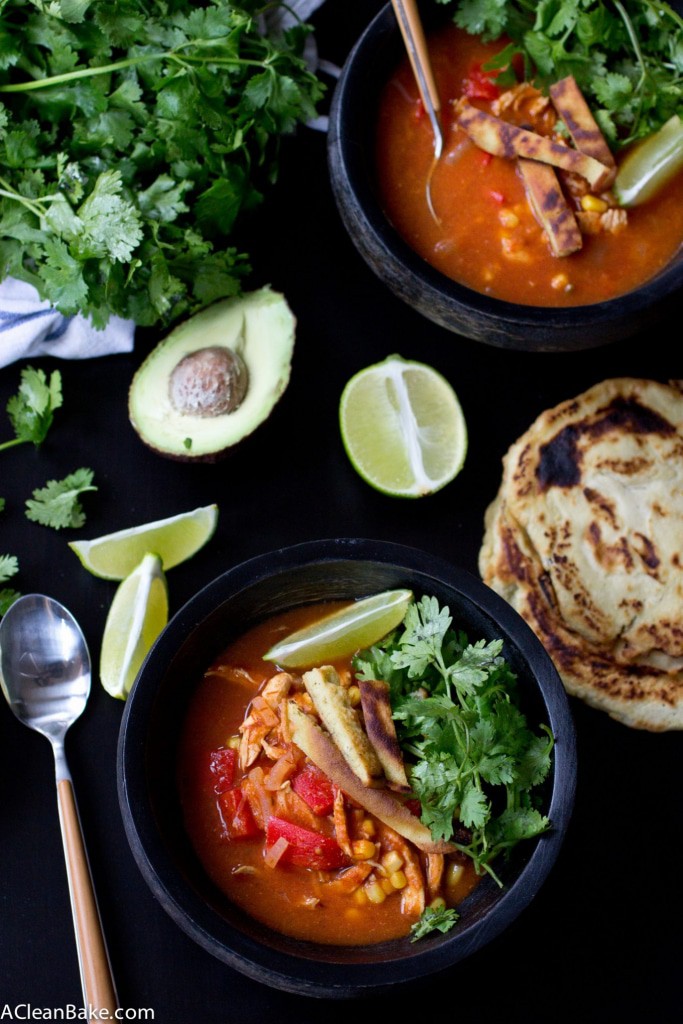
{"x": 132, "y": 135}
{"x": 626, "y": 55}
{"x": 472, "y": 759}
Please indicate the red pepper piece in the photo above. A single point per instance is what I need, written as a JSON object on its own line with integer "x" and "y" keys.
{"x": 480, "y": 84}
{"x": 314, "y": 787}
{"x": 223, "y": 765}
{"x": 236, "y": 814}
{"x": 306, "y": 849}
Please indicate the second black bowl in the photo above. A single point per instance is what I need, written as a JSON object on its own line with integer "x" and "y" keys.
{"x": 451, "y": 305}
{"x": 153, "y": 718}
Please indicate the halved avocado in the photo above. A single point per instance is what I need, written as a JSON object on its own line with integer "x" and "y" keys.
{"x": 215, "y": 378}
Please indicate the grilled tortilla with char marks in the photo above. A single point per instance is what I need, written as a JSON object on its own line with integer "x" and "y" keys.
{"x": 585, "y": 540}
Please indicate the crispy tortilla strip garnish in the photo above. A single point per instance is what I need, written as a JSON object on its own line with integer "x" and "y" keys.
{"x": 580, "y": 123}
{"x": 340, "y": 718}
{"x": 501, "y": 138}
{"x": 379, "y": 725}
{"x": 550, "y": 208}
{"x": 322, "y": 750}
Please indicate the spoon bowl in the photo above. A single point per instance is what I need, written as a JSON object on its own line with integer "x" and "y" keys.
{"x": 45, "y": 676}
{"x": 44, "y": 665}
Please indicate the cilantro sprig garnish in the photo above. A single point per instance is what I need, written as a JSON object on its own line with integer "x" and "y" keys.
{"x": 58, "y": 504}
{"x": 31, "y": 410}
{"x": 473, "y": 761}
{"x": 9, "y": 567}
{"x": 132, "y": 136}
{"x": 433, "y": 919}
{"x": 626, "y": 55}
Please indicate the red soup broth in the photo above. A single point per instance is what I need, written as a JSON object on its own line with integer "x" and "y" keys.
{"x": 293, "y": 900}
{"x": 486, "y": 236}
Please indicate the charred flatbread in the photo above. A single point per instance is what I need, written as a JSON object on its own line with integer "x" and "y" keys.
{"x": 585, "y": 540}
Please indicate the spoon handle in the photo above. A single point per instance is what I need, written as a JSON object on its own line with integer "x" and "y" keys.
{"x": 96, "y": 978}
{"x": 409, "y": 22}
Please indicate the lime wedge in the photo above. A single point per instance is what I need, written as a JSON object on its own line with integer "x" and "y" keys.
{"x": 649, "y": 164}
{"x": 137, "y": 615}
{"x": 403, "y": 428}
{"x": 115, "y": 555}
{"x": 343, "y": 632}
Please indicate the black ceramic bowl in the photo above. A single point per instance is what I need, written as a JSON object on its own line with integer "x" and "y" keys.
{"x": 154, "y": 713}
{"x": 447, "y": 303}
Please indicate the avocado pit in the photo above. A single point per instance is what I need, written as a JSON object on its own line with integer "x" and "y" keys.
{"x": 210, "y": 381}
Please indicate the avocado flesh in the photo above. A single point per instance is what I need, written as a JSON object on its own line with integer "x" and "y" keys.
{"x": 259, "y": 327}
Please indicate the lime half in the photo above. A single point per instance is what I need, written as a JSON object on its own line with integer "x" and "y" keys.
{"x": 403, "y": 428}
{"x": 343, "y": 632}
{"x": 649, "y": 164}
{"x": 137, "y": 615}
{"x": 115, "y": 555}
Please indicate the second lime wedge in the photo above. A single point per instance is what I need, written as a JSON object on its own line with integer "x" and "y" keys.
{"x": 137, "y": 615}
{"x": 343, "y": 632}
{"x": 115, "y": 555}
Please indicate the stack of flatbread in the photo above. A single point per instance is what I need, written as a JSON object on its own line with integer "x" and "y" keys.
{"x": 585, "y": 540}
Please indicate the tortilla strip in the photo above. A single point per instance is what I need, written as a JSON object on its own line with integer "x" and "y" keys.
{"x": 379, "y": 725}
{"x": 340, "y": 718}
{"x": 550, "y": 208}
{"x": 580, "y": 123}
{"x": 500, "y": 138}
{"x": 323, "y": 752}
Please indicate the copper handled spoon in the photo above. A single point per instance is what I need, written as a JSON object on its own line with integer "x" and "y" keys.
{"x": 408, "y": 18}
{"x": 45, "y": 676}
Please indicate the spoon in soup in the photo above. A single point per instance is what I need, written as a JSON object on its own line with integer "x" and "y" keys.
{"x": 408, "y": 18}
{"x": 45, "y": 675}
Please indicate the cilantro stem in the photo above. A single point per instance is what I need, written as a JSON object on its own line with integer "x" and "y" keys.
{"x": 36, "y": 206}
{"x": 71, "y": 76}
{"x": 129, "y": 62}
{"x": 12, "y": 443}
{"x": 635, "y": 42}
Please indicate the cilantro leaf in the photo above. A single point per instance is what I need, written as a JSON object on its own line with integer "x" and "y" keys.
{"x": 31, "y": 410}
{"x": 434, "y": 919}
{"x": 7, "y": 599}
{"x": 9, "y": 566}
{"x": 57, "y": 504}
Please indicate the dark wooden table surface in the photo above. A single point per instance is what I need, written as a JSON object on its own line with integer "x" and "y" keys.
{"x": 600, "y": 941}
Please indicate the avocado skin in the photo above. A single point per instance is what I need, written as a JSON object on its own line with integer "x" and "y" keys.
{"x": 260, "y": 326}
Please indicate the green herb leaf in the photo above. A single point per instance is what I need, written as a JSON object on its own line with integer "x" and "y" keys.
{"x": 31, "y": 409}
{"x": 433, "y": 919}
{"x": 9, "y": 566}
{"x": 7, "y": 599}
{"x": 57, "y": 504}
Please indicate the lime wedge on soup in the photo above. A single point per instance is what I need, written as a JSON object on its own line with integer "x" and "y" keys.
{"x": 650, "y": 164}
{"x": 343, "y": 632}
